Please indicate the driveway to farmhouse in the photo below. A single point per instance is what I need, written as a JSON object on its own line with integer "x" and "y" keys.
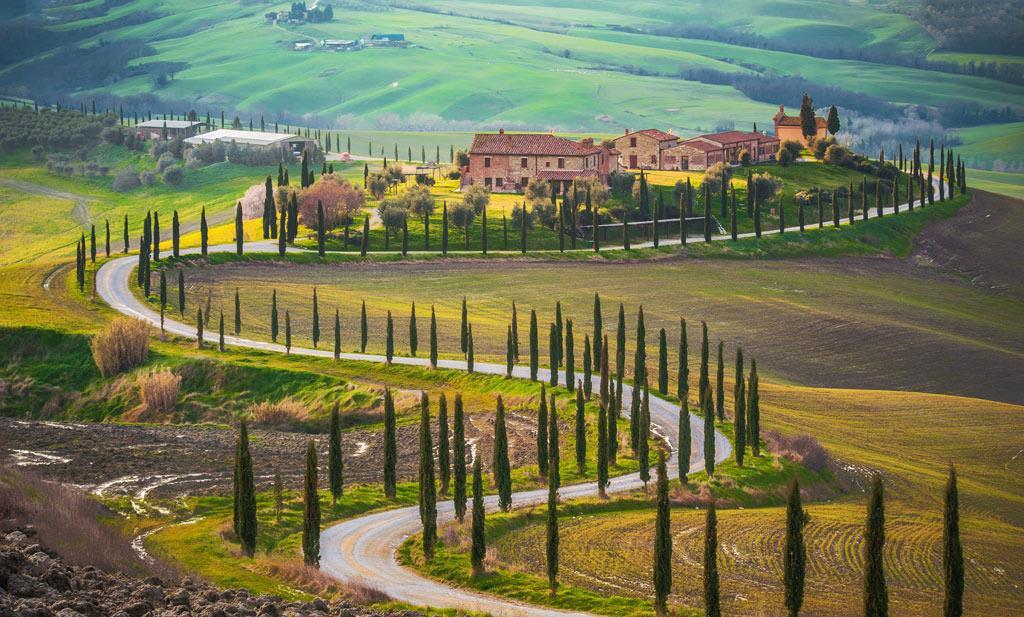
{"x": 363, "y": 550}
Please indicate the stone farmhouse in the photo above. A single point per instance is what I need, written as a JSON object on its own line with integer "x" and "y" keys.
{"x": 505, "y": 162}
{"x": 256, "y": 139}
{"x": 655, "y": 149}
{"x": 788, "y": 127}
{"x": 174, "y": 129}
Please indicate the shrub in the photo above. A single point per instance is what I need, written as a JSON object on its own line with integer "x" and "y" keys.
{"x": 393, "y": 213}
{"x": 745, "y": 157}
{"x": 122, "y": 345}
{"x": 621, "y": 183}
{"x": 518, "y": 211}
{"x": 461, "y": 214}
{"x": 419, "y": 200}
{"x": 546, "y": 213}
{"x": 822, "y": 145}
{"x": 377, "y": 184}
{"x": 283, "y": 414}
{"x": 537, "y": 191}
{"x": 838, "y": 155}
{"x": 793, "y": 147}
{"x": 159, "y": 391}
{"x": 785, "y": 157}
{"x": 476, "y": 197}
{"x": 717, "y": 174}
{"x": 147, "y": 178}
{"x": 340, "y": 200}
{"x": 173, "y": 176}
{"x": 799, "y": 449}
{"x": 765, "y": 185}
{"x": 125, "y": 180}
{"x": 113, "y": 135}
{"x": 164, "y": 161}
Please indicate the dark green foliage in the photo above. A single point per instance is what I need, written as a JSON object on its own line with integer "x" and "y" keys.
{"x": 433, "y": 338}
{"x": 316, "y": 320}
{"x": 662, "y": 362}
{"x": 464, "y": 327}
{"x": 282, "y": 238}
{"x": 311, "y": 511}
{"x": 740, "y": 414}
{"x": 720, "y": 385}
{"x": 808, "y": 126}
{"x": 238, "y": 313}
{"x": 501, "y": 467}
{"x": 712, "y": 601}
{"x": 509, "y": 359}
{"x": 794, "y": 559}
{"x": 390, "y": 445}
{"x": 685, "y": 441}
{"x": 643, "y": 446}
{"x": 389, "y": 345}
{"x": 220, "y": 330}
{"x": 515, "y": 332}
{"x": 551, "y": 544}
{"x": 413, "y": 333}
{"x": 273, "y": 316}
{"x": 204, "y": 233}
{"x": 708, "y": 411}
{"x": 662, "y": 542}
{"x": 364, "y": 328}
{"x": 620, "y": 345}
{"x": 428, "y": 495}
{"x": 125, "y": 239}
{"x": 598, "y": 333}
{"x": 534, "y": 345}
{"x": 542, "y": 435}
{"x": 832, "y": 121}
{"x": 683, "y": 378}
{"x": 952, "y": 551}
{"x": 581, "y": 435}
{"x": 559, "y": 334}
{"x": 703, "y": 378}
{"x": 335, "y": 460}
{"x": 876, "y": 596}
{"x": 570, "y": 357}
{"x": 239, "y": 230}
{"x": 163, "y": 289}
{"x": 321, "y": 232}
{"x": 287, "y": 331}
{"x": 553, "y": 355}
{"x": 604, "y": 419}
{"x": 554, "y": 452}
{"x": 246, "y": 494}
{"x": 469, "y": 351}
{"x": 337, "y": 334}
{"x": 199, "y": 327}
{"x": 444, "y": 464}
{"x": 479, "y": 547}
{"x": 588, "y": 383}
{"x": 640, "y": 353}
{"x": 753, "y": 411}
{"x": 181, "y": 292}
{"x": 459, "y": 459}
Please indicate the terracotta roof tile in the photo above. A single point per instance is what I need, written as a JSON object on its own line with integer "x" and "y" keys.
{"x": 528, "y": 143}
{"x": 659, "y": 135}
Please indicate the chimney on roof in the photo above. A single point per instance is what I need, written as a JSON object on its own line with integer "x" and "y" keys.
{"x": 588, "y": 142}
{"x": 501, "y": 131}
{"x": 627, "y": 132}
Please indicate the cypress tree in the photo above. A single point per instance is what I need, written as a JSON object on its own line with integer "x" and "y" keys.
{"x": 708, "y": 410}
{"x": 428, "y": 496}
{"x": 390, "y": 339}
{"x": 287, "y": 332}
{"x": 199, "y": 328}
{"x": 364, "y": 328}
{"x": 720, "y": 385}
{"x": 390, "y": 445}
{"x": 952, "y": 551}
{"x": 293, "y": 218}
{"x": 703, "y": 378}
{"x": 712, "y": 601}
{"x": 316, "y": 320}
{"x": 335, "y": 462}
{"x": 534, "y": 345}
{"x": 464, "y": 328}
{"x": 551, "y": 544}
{"x": 282, "y": 237}
{"x": 268, "y": 203}
{"x": 106, "y": 223}
{"x": 588, "y": 383}
{"x": 459, "y": 459}
{"x": 620, "y": 345}
{"x": 155, "y": 238}
{"x": 733, "y": 223}
{"x": 163, "y": 289}
{"x": 570, "y": 357}
{"x": 876, "y": 597}
{"x": 515, "y": 332}
{"x": 753, "y": 411}
{"x": 238, "y": 313}
{"x": 413, "y": 334}
{"x": 553, "y": 355}
{"x": 273, "y": 316}
{"x": 640, "y": 357}
{"x": 683, "y": 378}
{"x": 502, "y": 470}
{"x": 220, "y": 330}
{"x": 444, "y": 228}
{"x": 794, "y": 559}
{"x": 739, "y": 395}
{"x": 662, "y": 542}
{"x": 634, "y": 418}
{"x": 444, "y": 464}
{"x": 433, "y": 337}
{"x": 598, "y": 330}
{"x": 603, "y": 418}
{"x": 311, "y": 511}
{"x": 685, "y": 441}
{"x": 181, "y": 292}
{"x": 246, "y": 495}
{"x": 126, "y": 244}
{"x": 337, "y": 334}
{"x": 92, "y": 243}
{"x": 469, "y": 352}
{"x": 615, "y": 395}
{"x": 321, "y": 232}
{"x": 662, "y": 362}
{"x": 479, "y": 547}
{"x": 542, "y": 435}
{"x": 625, "y": 230}
{"x": 364, "y": 241}
{"x": 239, "y": 231}
{"x": 644, "y": 454}
{"x": 559, "y": 333}
{"x": 204, "y": 233}
{"x": 581, "y": 436}
{"x": 554, "y": 451}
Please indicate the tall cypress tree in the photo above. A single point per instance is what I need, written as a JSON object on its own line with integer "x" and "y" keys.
{"x": 553, "y": 355}
{"x": 181, "y": 292}
{"x": 683, "y": 377}
{"x": 413, "y": 334}
{"x": 433, "y": 337}
{"x": 204, "y": 233}
{"x": 469, "y": 351}
{"x": 640, "y": 357}
{"x": 554, "y": 451}
{"x": 588, "y": 379}
{"x": 316, "y": 320}
{"x": 126, "y": 243}
{"x": 739, "y": 395}
{"x": 662, "y": 362}
{"x": 337, "y": 334}
{"x": 581, "y": 435}
{"x": 703, "y": 378}
{"x": 464, "y": 328}
{"x": 335, "y": 462}
{"x": 502, "y": 469}
{"x": 952, "y": 551}
{"x": 753, "y": 411}
{"x": 321, "y": 231}
{"x": 389, "y": 344}
{"x": 238, "y": 311}
{"x": 364, "y": 328}
{"x": 552, "y": 538}
{"x": 459, "y": 459}
{"x": 515, "y": 332}
{"x": 542, "y": 435}
{"x": 268, "y": 203}
{"x": 444, "y": 464}
{"x": 794, "y": 557}
{"x": 199, "y": 327}
{"x": 644, "y": 454}
{"x": 685, "y": 441}
{"x": 239, "y": 230}
{"x": 246, "y": 495}
{"x": 613, "y": 415}
{"x": 712, "y": 601}
{"x": 604, "y": 418}
{"x": 708, "y": 410}
{"x": 534, "y": 345}
{"x": 311, "y": 511}
{"x": 620, "y": 344}
{"x": 720, "y": 385}
{"x": 282, "y": 237}
{"x": 287, "y": 332}
{"x": 662, "y": 542}
{"x": 479, "y": 546}
{"x": 598, "y": 331}
{"x": 220, "y": 331}
{"x": 876, "y": 596}
{"x": 570, "y": 357}
{"x": 390, "y": 445}
{"x": 428, "y": 495}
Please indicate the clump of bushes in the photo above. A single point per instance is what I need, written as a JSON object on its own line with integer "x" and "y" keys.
{"x": 126, "y": 180}
{"x": 173, "y": 175}
{"x": 802, "y": 449}
{"x": 159, "y": 391}
{"x": 121, "y": 346}
{"x": 285, "y": 414}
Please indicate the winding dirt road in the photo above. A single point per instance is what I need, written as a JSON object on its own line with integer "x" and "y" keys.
{"x": 362, "y": 550}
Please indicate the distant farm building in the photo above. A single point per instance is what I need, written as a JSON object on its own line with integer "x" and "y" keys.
{"x": 505, "y": 162}
{"x": 168, "y": 129}
{"x": 257, "y": 139}
{"x": 388, "y": 40}
{"x": 340, "y": 45}
{"x": 789, "y": 128}
{"x": 656, "y": 149}
{"x": 302, "y": 46}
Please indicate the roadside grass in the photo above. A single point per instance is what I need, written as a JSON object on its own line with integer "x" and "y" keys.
{"x": 1004, "y": 183}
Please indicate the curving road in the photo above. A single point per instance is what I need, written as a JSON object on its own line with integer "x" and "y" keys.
{"x": 362, "y": 550}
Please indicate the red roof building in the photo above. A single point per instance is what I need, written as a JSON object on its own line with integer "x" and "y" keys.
{"x": 789, "y": 128}
{"x": 727, "y": 146}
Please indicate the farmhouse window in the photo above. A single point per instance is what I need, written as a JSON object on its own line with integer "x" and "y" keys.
{"x": 632, "y": 142}
{"x": 487, "y": 161}
{"x": 499, "y": 181}
{"x": 524, "y": 163}
{"x": 547, "y": 163}
{"x": 487, "y": 182}
{"x": 561, "y": 163}
{"x": 654, "y": 159}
